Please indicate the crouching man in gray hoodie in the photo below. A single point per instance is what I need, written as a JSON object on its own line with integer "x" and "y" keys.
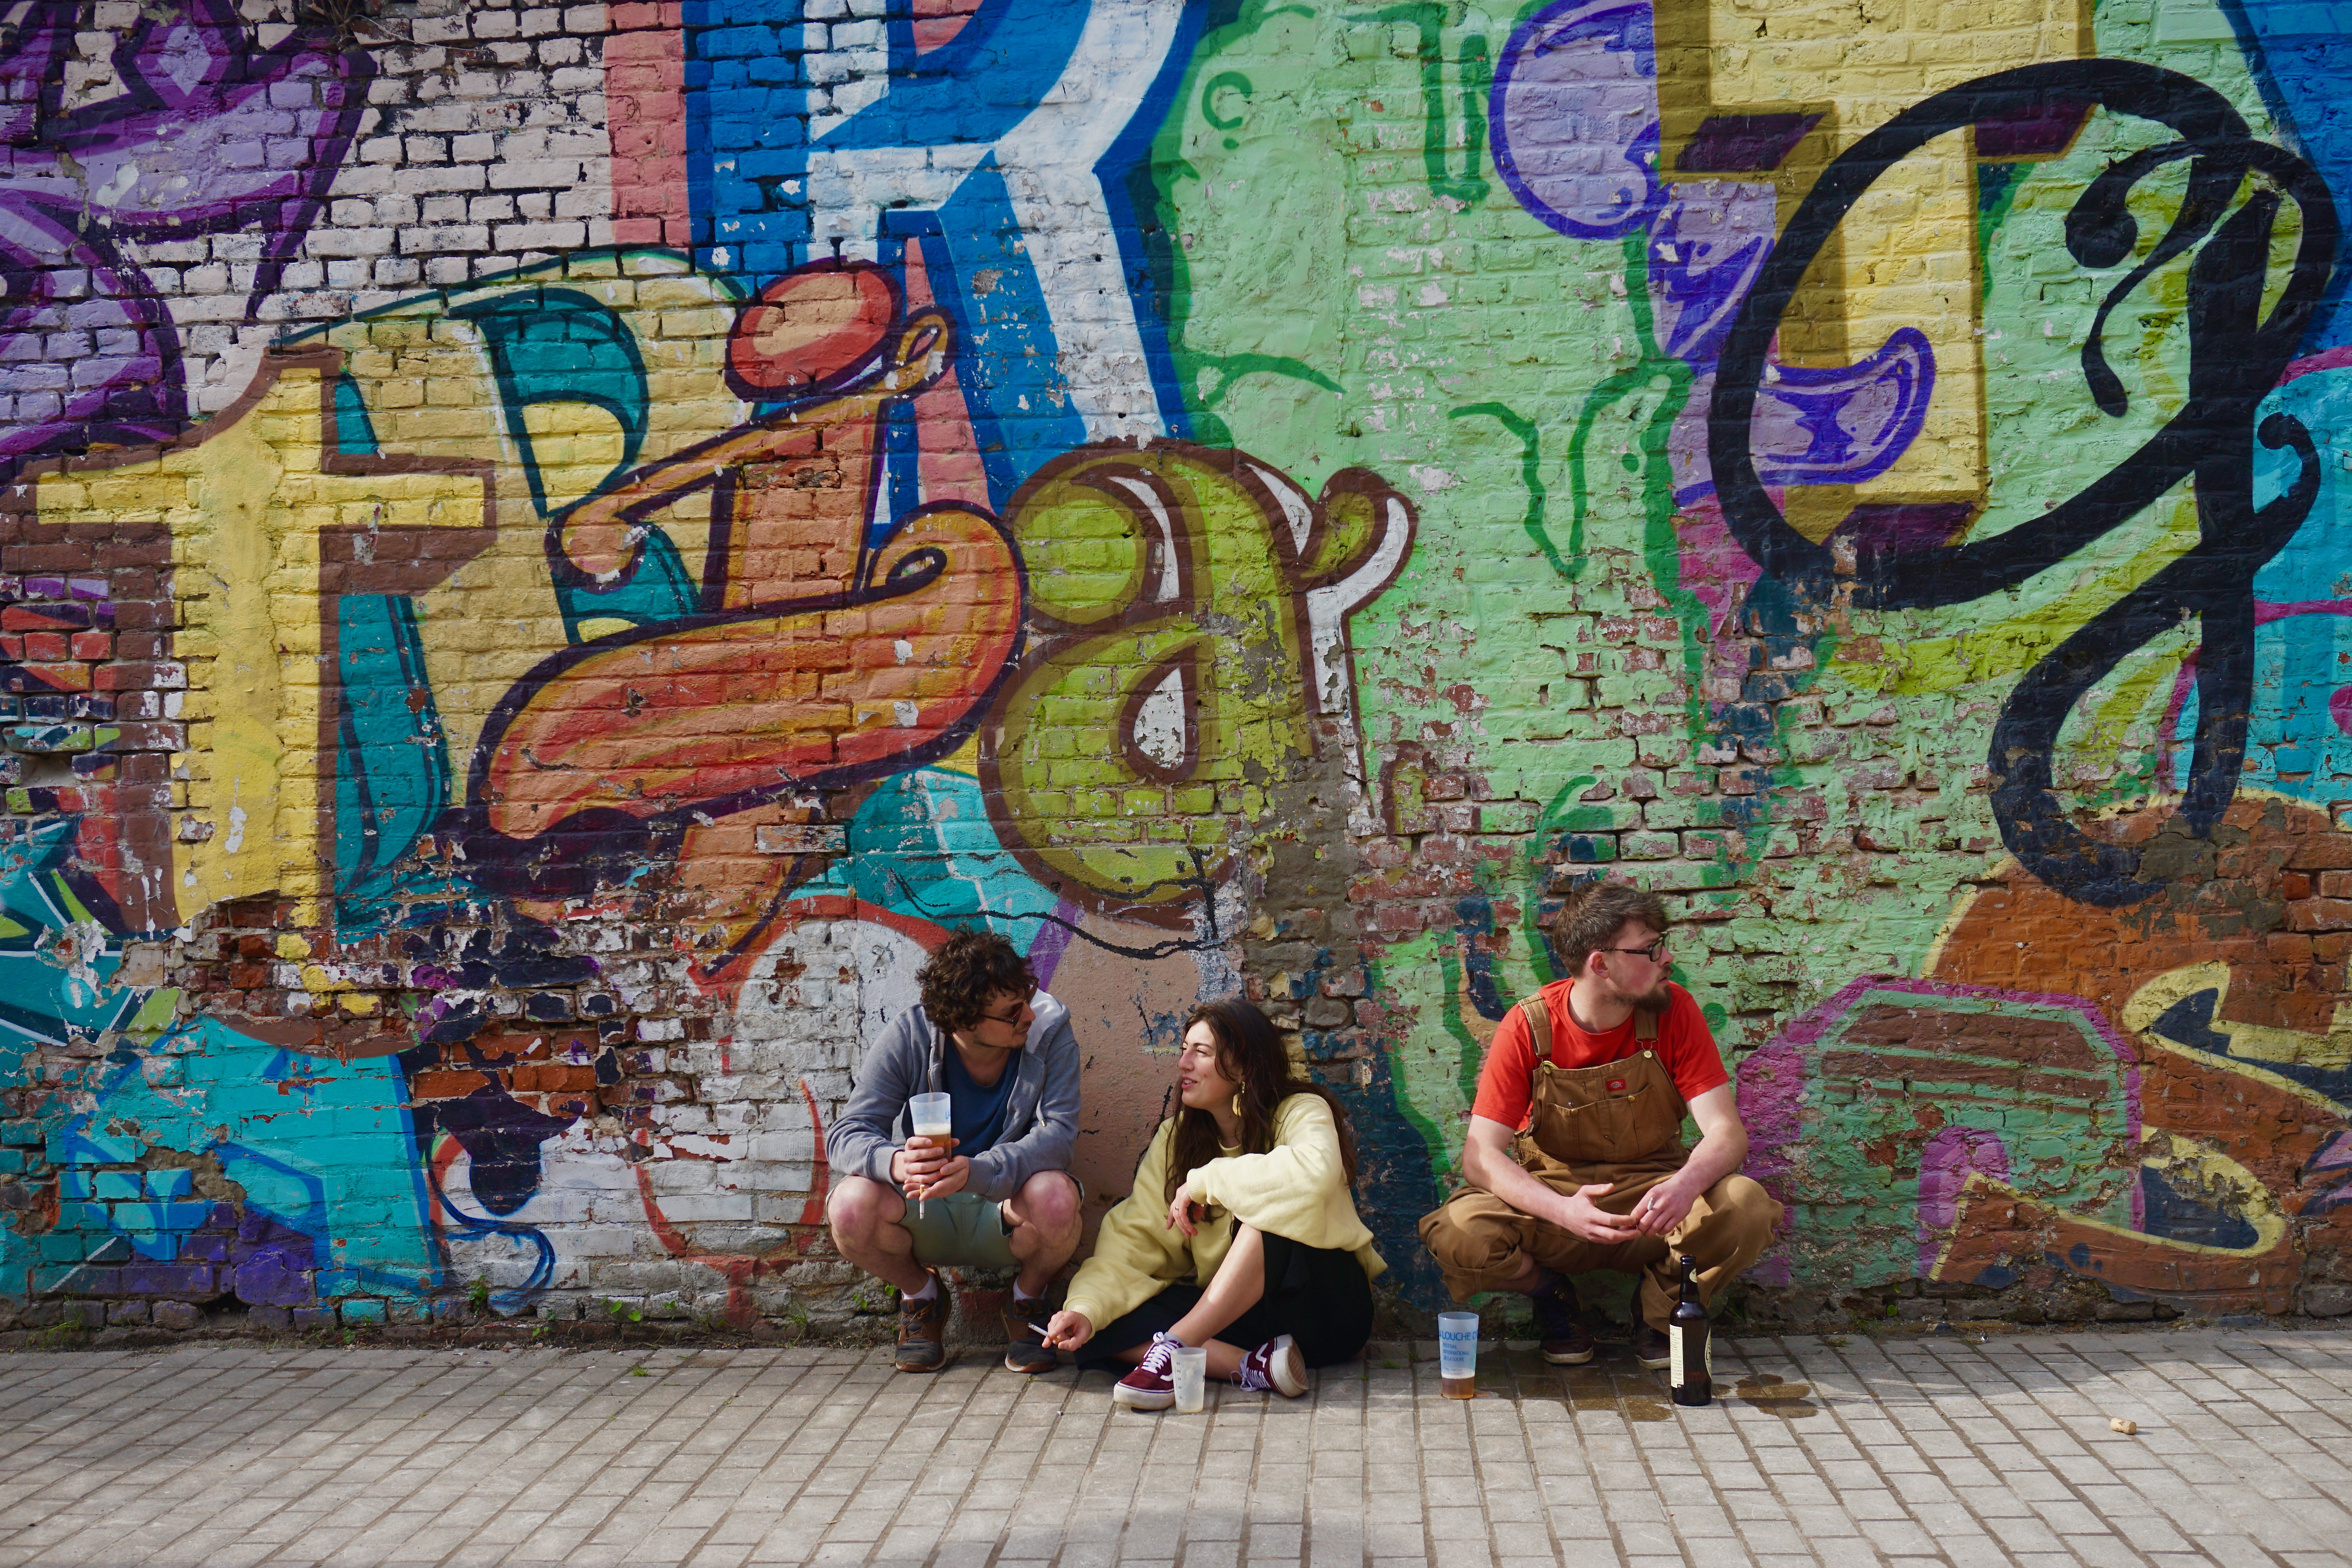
{"x": 997, "y": 1194}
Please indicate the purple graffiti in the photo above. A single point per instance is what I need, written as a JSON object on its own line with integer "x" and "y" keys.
{"x": 1706, "y": 246}
{"x": 1845, "y": 424}
{"x": 204, "y": 132}
{"x": 1575, "y": 115}
{"x": 1575, "y": 111}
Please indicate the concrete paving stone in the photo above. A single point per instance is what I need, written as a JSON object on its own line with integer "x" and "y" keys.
{"x": 1635, "y": 1540}
{"x": 1864, "y": 1504}
{"x": 1973, "y": 1452}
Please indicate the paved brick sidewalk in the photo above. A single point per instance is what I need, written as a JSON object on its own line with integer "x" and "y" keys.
{"x": 1854, "y": 1451}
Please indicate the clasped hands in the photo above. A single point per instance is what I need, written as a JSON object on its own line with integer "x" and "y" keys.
{"x": 927, "y": 1168}
{"x": 1655, "y": 1213}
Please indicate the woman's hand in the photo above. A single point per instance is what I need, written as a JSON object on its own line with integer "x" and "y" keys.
{"x": 1179, "y": 1211}
{"x": 1067, "y": 1330}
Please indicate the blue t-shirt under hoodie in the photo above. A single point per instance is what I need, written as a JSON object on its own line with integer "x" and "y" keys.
{"x": 977, "y": 1111}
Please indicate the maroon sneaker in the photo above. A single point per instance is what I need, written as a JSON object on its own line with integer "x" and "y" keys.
{"x": 1152, "y": 1384}
{"x": 1274, "y": 1365}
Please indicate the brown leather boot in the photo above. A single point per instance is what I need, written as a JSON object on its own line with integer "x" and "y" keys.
{"x": 922, "y": 1330}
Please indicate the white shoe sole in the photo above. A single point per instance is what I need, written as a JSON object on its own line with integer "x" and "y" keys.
{"x": 1141, "y": 1398}
{"x": 1572, "y": 1358}
{"x": 1287, "y": 1368}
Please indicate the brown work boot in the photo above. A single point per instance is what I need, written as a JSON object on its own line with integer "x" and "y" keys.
{"x": 922, "y": 1330}
{"x": 1024, "y": 1336}
{"x": 1560, "y": 1334}
{"x": 1651, "y": 1347}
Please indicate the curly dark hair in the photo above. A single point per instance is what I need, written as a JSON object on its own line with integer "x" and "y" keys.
{"x": 971, "y": 967}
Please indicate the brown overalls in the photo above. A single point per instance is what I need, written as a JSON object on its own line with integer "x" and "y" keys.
{"x": 1619, "y": 1122}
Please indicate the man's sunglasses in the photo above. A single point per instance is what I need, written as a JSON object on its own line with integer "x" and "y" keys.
{"x": 1015, "y": 1016}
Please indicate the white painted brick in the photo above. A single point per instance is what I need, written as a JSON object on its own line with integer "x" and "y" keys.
{"x": 458, "y": 177}
{"x": 543, "y": 173}
{"x": 542, "y": 236}
{"x": 367, "y": 241}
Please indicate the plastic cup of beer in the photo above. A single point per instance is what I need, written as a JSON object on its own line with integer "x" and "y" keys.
{"x": 932, "y": 1117}
{"x": 1191, "y": 1380}
{"x": 1457, "y": 1354}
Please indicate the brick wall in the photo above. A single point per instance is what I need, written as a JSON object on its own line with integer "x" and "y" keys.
{"x": 551, "y": 553}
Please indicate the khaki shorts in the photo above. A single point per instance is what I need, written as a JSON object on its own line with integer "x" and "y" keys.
{"x": 963, "y": 1230}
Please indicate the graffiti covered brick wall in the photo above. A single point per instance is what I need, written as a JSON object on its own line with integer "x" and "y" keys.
{"x": 550, "y": 554}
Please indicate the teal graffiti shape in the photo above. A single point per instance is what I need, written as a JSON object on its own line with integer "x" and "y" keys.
{"x": 922, "y": 845}
{"x": 321, "y": 1147}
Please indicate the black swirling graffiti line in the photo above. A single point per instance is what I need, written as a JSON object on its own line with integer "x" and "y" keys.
{"x": 2236, "y": 354}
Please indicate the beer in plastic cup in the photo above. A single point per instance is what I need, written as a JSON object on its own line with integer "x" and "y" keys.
{"x": 932, "y": 1116}
{"x": 1191, "y": 1380}
{"x": 1457, "y": 1354}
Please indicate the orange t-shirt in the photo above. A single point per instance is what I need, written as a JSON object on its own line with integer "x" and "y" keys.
{"x": 1506, "y": 1086}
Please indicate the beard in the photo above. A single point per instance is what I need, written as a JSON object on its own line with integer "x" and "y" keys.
{"x": 1654, "y": 1000}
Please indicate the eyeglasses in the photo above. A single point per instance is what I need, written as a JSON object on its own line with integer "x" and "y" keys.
{"x": 1652, "y": 952}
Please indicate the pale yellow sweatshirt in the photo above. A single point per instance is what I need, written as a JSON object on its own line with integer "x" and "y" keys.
{"x": 1298, "y": 1189}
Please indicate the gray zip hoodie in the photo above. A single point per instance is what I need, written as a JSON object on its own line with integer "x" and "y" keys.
{"x": 1041, "y": 1121}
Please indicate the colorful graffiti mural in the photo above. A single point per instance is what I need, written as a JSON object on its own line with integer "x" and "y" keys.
{"x": 1235, "y": 498}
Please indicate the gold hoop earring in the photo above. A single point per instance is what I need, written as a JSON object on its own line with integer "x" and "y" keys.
{"x": 1237, "y": 1102}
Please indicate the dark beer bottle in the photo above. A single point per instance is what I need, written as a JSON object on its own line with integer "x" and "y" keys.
{"x": 1686, "y": 1339}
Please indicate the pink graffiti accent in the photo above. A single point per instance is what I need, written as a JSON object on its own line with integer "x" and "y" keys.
{"x": 2336, "y": 358}
{"x": 1771, "y": 1099}
{"x": 2269, "y": 610}
{"x": 948, "y": 454}
{"x": 2335, "y": 1155}
{"x": 1715, "y": 570}
{"x": 1946, "y": 1163}
{"x": 937, "y": 22}
{"x": 644, "y": 97}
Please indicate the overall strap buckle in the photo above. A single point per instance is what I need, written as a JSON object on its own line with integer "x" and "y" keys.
{"x": 1540, "y": 1036}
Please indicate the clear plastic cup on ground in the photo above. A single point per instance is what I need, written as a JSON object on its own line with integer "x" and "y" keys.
{"x": 1457, "y": 1354}
{"x": 1191, "y": 1376}
{"x": 932, "y": 1116}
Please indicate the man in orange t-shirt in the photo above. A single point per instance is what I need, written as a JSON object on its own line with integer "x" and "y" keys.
{"x": 1574, "y": 1159}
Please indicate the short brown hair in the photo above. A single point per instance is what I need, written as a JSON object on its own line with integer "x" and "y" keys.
{"x": 969, "y": 968}
{"x": 1593, "y": 914}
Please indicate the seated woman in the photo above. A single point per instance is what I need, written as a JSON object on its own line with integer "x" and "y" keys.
{"x": 1239, "y": 1231}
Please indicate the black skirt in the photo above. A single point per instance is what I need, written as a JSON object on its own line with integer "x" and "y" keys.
{"x": 1316, "y": 1295}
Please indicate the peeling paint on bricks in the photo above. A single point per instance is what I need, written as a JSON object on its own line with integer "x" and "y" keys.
{"x": 549, "y": 553}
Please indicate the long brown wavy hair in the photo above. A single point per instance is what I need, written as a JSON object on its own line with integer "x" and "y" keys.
{"x": 1250, "y": 1053}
